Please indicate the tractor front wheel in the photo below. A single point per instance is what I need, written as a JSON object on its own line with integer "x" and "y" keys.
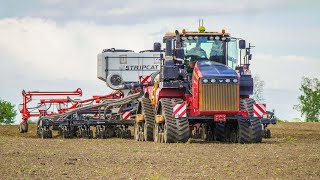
{"x": 249, "y": 131}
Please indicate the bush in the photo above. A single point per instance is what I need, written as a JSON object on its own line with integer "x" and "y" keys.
{"x": 310, "y": 99}
{"x": 7, "y": 112}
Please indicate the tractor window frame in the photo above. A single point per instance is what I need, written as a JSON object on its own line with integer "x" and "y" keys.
{"x": 232, "y": 53}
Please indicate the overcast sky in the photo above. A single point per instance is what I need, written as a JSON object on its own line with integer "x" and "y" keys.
{"x": 53, "y": 44}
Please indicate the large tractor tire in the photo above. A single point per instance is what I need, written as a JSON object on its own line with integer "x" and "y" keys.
{"x": 219, "y": 131}
{"x": 145, "y": 107}
{"x": 249, "y": 131}
{"x": 247, "y": 105}
{"x": 206, "y": 132}
{"x": 174, "y": 130}
{"x": 183, "y": 129}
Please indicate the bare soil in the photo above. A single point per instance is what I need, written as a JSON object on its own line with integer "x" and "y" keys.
{"x": 293, "y": 152}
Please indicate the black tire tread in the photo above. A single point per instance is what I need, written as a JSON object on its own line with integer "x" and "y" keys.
{"x": 250, "y": 131}
{"x": 219, "y": 131}
{"x": 170, "y": 122}
{"x": 182, "y": 126}
{"x": 149, "y": 114}
{"x": 246, "y": 104}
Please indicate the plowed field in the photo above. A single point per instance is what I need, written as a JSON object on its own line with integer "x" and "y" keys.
{"x": 293, "y": 152}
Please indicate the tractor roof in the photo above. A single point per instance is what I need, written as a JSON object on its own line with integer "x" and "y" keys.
{"x": 198, "y": 34}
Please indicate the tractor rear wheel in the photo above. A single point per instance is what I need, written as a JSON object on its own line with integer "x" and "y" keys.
{"x": 249, "y": 131}
{"x": 247, "y": 105}
{"x": 172, "y": 130}
{"x": 183, "y": 129}
{"x": 219, "y": 131}
{"x": 145, "y": 107}
{"x": 231, "y": 132}
{"x": 207, "y": 132}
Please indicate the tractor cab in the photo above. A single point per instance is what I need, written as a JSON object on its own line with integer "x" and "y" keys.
{"x": 196, "y": 46}
{"x": 216, "y": 48}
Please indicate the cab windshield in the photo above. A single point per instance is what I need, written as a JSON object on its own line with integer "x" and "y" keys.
{"x": 205, "y": 48}
{"x": 201, "y": 48}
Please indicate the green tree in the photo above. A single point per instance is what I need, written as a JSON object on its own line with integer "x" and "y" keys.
{"x": 310, "y": 99}
{"x": 7, "y": 112}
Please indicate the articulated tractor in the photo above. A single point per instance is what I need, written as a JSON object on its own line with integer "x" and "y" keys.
{"x": 200, "y": 90}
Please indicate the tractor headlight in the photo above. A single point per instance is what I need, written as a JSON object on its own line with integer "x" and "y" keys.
{"x": 235, "y": 80}
{"x": 227, "y": 80}
{"x": 213, "y": 80}
{"x": 205, "y": 81}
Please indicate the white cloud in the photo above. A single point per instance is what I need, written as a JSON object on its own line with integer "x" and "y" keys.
{"x": 67, "y": 51}
{"x": 285, "y": 72}
{"x": 37, "y": 54}
{"x": 140, "y": 11}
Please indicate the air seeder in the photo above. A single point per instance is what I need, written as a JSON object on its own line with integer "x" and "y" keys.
{"x": 197, "y": 86}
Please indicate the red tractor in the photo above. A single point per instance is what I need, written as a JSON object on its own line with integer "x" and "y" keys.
{"x": 201, "y": 91}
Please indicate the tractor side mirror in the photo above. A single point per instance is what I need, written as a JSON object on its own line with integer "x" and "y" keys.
{"x": 156, "y": 47}
{"x": 242, "y": 44}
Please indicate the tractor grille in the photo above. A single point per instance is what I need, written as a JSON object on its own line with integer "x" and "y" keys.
{"x": 219, "y": 97}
